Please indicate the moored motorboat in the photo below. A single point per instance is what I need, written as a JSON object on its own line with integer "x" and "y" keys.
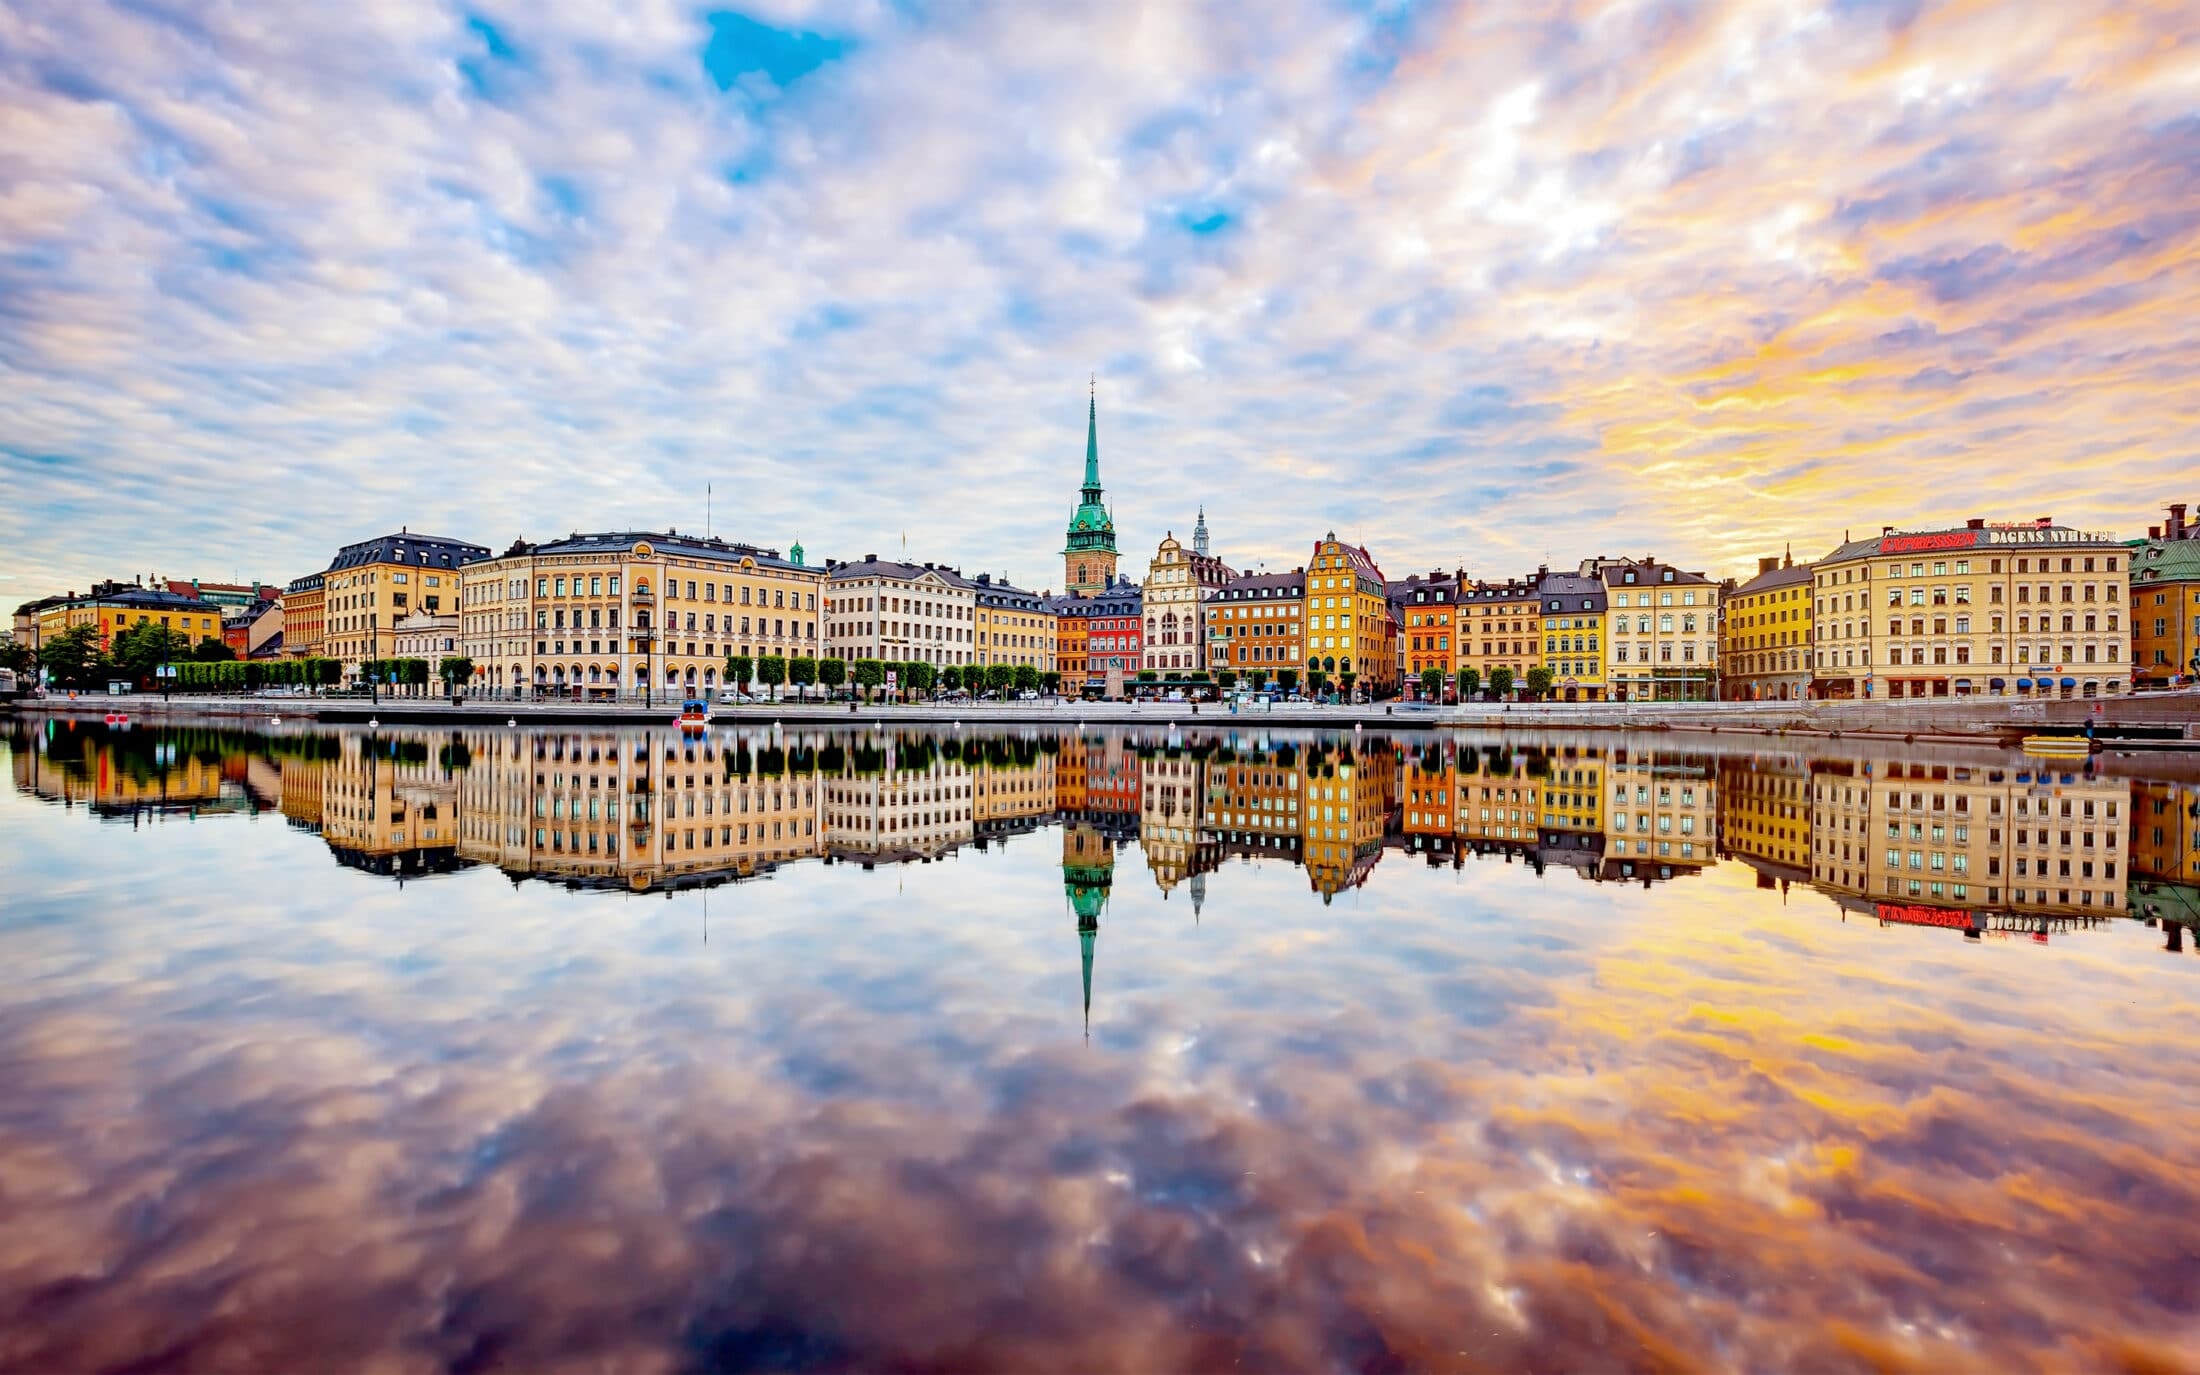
{"x": 695, "y": 714}
{"x": 2058, "y": 746}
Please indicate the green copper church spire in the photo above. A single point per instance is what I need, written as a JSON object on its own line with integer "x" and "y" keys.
{"x": 1092, "y": 448}
{"x": 1089, "y": 555}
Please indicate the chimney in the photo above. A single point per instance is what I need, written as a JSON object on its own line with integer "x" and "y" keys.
{"x": 1766, "y": 565}
{"x": 870, "y": 558}
{"x": 2177, "y": 520}
{"x": 1885, "y": 530}
{"x": 1975, "y": 523}
{"x": 2154, "y": 532}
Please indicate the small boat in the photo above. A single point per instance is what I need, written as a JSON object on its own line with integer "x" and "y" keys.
{"x": 2058, "y": 746}
{"x": 695, "y": 714}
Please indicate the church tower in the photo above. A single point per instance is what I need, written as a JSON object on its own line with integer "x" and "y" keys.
{"x": 1088, "y": 557}
{"x": 1199, "y": 532}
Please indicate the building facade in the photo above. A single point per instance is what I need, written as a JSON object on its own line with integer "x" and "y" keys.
{"x": 113, "y": 607}
{"x": 1427, "y": 611}
{"x": 1348, "y": 625}
{"x": 1101, "y": 639}
{"x": 631, "y": 614}
{"x": 305, "y": 623}
{"x": 1976, "y": 841}
{"x": 1013, "y": 626}
{"x": 2032, "y": 608}
{"x": 900, "y": 612}
{"x": 1663, "y": 641}
{"x": 372, "y": 585}
{"x": 2165, "y": 612}
{"x": 1574, "y": 638}
{"x": 1258, "y": 620}
{"x": 1088, "y": 551}
{"x": 1178, "y": 581}
{"x": 1764, "y": 635}
{"x": 1500, "y": 625}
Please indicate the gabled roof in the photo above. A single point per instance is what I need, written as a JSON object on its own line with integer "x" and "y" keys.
{"x": 2166, "y": 561}
{"x": 1774, "y": 579}
{"x": 1572, "y": 589}
{"x": 1265, "y": 586}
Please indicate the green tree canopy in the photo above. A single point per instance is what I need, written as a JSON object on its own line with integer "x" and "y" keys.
{"x": 832, "y": 672}
{"x": 1539, "y": 681}
{"x": 998, "y": 677}
{"x": 1227, "y": 678}
{"x": 919, "y": 676}
{"x": 802, "y": 672}
{"x": 1050, "y": 681}
{"x": 771, "y": 671}
{"x": 212, "y": 651}
{"x": 1432, "y": 683}
{"x": 453, "y": 670}
{"x": 1026, "y": 678}
{"x": 740, "y": 669}
{"x": 868, "y": 674}
{"x": 1470, "y": 682}
{"x": 1287, "y": 679}
{"x": 951, "y": 677}
{"x": 146, "y": 646}
{"x": 1501, "y": 680}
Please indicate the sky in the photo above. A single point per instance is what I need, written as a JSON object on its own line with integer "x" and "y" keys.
{"x": 1480, "y": 286}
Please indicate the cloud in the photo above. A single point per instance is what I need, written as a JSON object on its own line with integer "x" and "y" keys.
{"x": 271, "y": 280}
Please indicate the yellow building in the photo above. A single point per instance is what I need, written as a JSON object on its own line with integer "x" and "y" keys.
{"x": 1252, "y": 805}
{"x": 1348, "y": 624}
{"x": 1012, "y": 626}
{"x": 1764, "y": 635}
{"x": 1574, "y": 638}
{"x": 1764, "y": 816}
{"x": 607, "y": 616}
{"x": 372, "y": 585}
{"x": 1341, "y": 821}
{"x": 112, "y": 607}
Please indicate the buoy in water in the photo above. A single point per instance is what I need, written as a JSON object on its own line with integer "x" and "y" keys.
{"x": 373, "y": 722}
{"x": 511, "y": 720}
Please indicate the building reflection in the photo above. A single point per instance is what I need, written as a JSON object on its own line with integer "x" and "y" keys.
{"x": 2002, "y": 847}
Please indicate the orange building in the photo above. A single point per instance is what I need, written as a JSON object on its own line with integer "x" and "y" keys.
{"x": 1348, "y": 624}
{"x": 1426, "y": 609}
{"x": 1256, "y": 618}
{"x": 304, "y": 621}
{"x": 2165, "y": 608}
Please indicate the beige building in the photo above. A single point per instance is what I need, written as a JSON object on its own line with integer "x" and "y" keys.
{"x": 901, "y": 814}
{"x": 900, "y": 612}
{"x": 1661, "y": 816}
{"x": 430, "y": 637}
{"x": 1179, "y": 581}
{"x": 372, "y": 585}
{"x": 1662, "y": 640}
{"x": 2032, "y": 608}
{"x": 1012, "y": 626}
{"x": 627, "y": 613}
{"x": 1946, "y": 838}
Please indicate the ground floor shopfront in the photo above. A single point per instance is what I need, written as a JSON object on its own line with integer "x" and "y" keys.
{"x": 2044, "y": 688}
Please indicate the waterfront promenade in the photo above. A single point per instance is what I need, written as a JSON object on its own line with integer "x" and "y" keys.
{"x": 2163, "y": 720}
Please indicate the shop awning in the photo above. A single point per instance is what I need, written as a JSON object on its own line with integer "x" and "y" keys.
{"x": 2069, "y": 682}
{"x": 1997, "y": 684}
{"x": 2024, "y": 684}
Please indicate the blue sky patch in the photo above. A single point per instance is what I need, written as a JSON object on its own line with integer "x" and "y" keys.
{"x": 740, "y": 46}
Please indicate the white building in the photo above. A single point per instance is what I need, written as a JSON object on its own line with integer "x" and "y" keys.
{"x": 878, "y": 609}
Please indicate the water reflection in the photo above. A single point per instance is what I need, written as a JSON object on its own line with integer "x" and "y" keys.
{"x": 1418, "y": 1052}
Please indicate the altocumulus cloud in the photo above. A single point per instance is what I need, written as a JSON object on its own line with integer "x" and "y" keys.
{"x": 1470, "y": 282}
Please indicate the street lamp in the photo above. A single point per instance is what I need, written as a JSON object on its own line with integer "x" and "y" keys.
{"x": 642, "y": 640}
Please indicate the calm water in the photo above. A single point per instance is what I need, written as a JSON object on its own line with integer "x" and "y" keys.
{"x": 434, "y": 1050}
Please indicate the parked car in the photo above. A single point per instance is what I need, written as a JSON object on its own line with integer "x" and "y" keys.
{"x": 1027, "y": 695}
{"x": 1295, "y": 697}
{"x": 734, "y": 695}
